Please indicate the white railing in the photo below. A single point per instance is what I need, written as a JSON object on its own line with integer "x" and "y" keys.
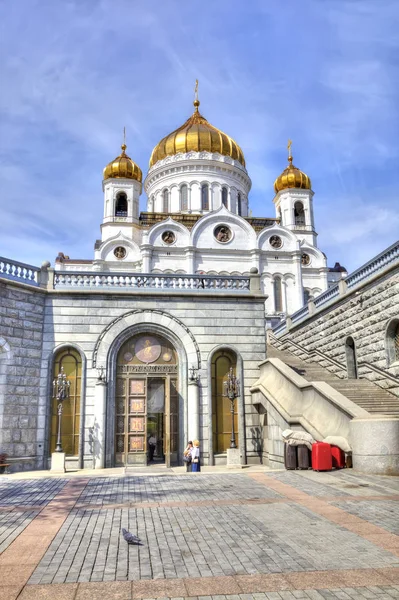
{"x": 159, "y": 282}
{"x": 327, "y": 296}
{"x": 378, "y": 263}
{"x": 282, "y": 326}
{"x": 16, "y": 271}
{"x": 300, "y": 314}
{"x": 359, "y": 277}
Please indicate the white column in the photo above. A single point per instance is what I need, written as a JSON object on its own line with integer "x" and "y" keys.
{"x": 146, "y": 254}
{"x": 189, "y": 198}
{"x": 190, "y": 253}
{"x": 193, "y": 410}
{"x": 100, "y": 393}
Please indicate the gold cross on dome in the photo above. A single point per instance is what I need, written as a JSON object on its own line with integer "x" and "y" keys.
{"x": 289, "y": 148}
{"x": 196, "y": 89}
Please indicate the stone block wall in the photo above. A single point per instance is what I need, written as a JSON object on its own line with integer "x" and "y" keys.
{"x": 363, "y": 315}
{"x": 236, "y": 322}
{"x": 21, "y": 331}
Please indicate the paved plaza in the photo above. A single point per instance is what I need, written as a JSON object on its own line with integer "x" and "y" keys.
{"x": 216, "y": 535}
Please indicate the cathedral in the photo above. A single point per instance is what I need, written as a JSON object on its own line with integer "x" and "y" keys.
{"x": 100, "y": 356}
{"x": 198, "y": 219}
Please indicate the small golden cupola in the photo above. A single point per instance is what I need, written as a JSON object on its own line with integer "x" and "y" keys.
{"x": 123, "y": 167}
{"x": 197, "y": 135}
{"x": 292, "y": 177}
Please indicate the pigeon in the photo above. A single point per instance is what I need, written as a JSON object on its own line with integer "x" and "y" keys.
{"x": 130, "y": 538}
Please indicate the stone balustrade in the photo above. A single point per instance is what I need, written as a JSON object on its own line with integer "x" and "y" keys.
{"x": 16, "y": 271}
{"x": 378, "y": 263}
{"x": 47, "y": 278}
{"x": 151, "y": 282}
{"x": 376, "y": 266}
{"x": 327, "y": 296}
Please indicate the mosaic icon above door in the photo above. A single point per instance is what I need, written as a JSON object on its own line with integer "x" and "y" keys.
{"x": 147, "y": 349}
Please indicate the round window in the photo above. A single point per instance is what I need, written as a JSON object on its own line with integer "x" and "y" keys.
{"x": 223, "y": 234}
{"x": 305, "y": 259}
{"x": 276, "y": 241}
{"x": 120, "y": 252}
{"x": 168, "y": 237}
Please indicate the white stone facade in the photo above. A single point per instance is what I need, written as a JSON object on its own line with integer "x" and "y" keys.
{"x": 283, "y": 248}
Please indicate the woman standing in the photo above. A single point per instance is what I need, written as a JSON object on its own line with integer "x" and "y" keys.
{"x": 196, "y": 457}
{"x": 187, "y": 457}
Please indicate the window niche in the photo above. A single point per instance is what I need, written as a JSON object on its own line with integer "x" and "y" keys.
{"x": 184, "y": 197}
{"x": 224, "y": 197}
{"x": 205, "y": 196}
{"x": 278, "y": 294}
{"x": 299, "y": 214}
{"x": 121, "y": 205}
{"x": 239, "y": 204}
{"x": 392, "y": 342}
{"x": 165, "y": 201}
{"x": 70, "y": 360}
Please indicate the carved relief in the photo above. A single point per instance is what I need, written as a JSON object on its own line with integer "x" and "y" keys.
{"x": 222, "y": 234}
{"x": 168, "y": 237}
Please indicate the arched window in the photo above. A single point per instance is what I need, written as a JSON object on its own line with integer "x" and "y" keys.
{"x": 392, "y": 342}
{"x": 184, "y": 197}
{"x": 71, "y": 361}
{"x": 221, "y": 406}
{"x": 306, "y": 295}
{"x": 299, "y": 214}
{"x": 239, "y": 208}
{"x": 278, "y": 295}
{"x": 350, "y": 352}
{"x": 121, "y": 205}
{"x": 224, "y": 197}
{"x": 165, "y": 198}
{"x": 205, "y": 197}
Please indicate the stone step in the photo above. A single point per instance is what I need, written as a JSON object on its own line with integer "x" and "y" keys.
{"x": 362, "y": 392}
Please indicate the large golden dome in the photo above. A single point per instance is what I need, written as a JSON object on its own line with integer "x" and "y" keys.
{"x": 292, "y": 177}
{"x": 199, "y": 136}
{"x": 123, "y": 167}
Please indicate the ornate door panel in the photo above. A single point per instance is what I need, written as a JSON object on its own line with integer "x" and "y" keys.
{"x": 146, "y": 374}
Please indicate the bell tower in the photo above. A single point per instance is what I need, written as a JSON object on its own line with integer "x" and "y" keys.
{"x": 122, "y": 186}
{"x": 294, "y": 201}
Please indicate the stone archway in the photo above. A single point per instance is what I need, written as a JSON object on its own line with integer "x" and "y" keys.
{"x": 105, "y": 355}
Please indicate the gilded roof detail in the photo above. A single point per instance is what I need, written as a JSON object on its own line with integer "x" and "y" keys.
{"x": 197, "y": 135}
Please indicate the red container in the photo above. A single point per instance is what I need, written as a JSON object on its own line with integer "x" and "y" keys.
{"x": 321, "y": 457}
{"x": 338, "y": 457}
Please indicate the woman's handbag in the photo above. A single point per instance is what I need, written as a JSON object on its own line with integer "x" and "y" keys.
{"x": 187, "y": 459}
{"x": 196, "y": 460}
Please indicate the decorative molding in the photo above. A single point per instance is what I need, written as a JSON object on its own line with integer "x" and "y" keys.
{"x": 146, "y": 369}
{"x": 162, "y": 313}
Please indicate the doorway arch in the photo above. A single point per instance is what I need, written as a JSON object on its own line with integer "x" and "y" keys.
{"x": 351, "y": 363}
{"x": 146, "y": 402}
{"x": 222, "y": 361}
{"x": 239, "y": 372}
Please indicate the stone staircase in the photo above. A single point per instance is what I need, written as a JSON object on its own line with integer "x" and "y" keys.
{"x": 364, "y": 393}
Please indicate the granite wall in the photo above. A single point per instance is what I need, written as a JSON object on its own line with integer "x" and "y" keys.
{"x": 363, "y": 315}
{"x": 21, "y": 336}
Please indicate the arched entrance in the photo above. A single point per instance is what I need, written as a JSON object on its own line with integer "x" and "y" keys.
{"x": 146, "y": 402}
{"x": 222, "y": 360}
{"x": 351, "y": 358}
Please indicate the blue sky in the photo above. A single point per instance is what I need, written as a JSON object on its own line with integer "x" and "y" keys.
{"x": 321, "y": 72}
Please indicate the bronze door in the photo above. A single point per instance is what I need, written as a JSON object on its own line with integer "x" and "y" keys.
{"x": 146, "y": 407}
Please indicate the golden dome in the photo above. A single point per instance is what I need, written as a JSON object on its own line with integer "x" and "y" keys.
{"x": 199, "y": 136}
{"x": 292, "y": 177}
{"x": 123, "y": 167}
